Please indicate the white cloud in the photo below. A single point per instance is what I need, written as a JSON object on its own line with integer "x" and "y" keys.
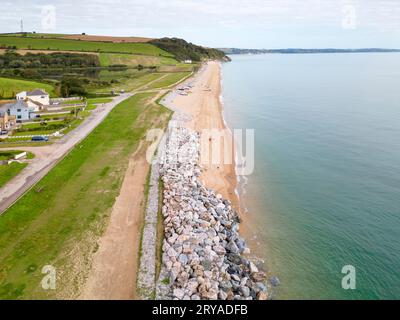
{"x": 162, "y": 17}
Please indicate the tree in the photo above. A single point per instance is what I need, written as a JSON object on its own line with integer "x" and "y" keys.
{"x": 72, "y": 86}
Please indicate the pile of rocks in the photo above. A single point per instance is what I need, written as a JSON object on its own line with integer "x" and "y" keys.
{"x": 202, "y": 250}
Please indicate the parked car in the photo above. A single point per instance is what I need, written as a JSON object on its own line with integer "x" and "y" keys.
{"x": 40, "y": 138}
{"x": 3, "y": 132}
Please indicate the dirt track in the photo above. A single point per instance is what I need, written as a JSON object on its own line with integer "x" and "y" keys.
{"x": 113, "y": 273}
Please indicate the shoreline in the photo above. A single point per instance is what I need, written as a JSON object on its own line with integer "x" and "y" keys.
{"x": 204, "y": 110}
{"x": 240, "y": 190}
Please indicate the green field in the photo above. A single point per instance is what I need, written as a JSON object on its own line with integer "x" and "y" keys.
{"x": 99, "y": 100}
{"x": 168, "y": 80}
{"x": 59, "y": 221}
{"x": 130, "y": 83}
{"x": 131, "y": 60}
{"x": 87, "y": 46}
{"x": 10, "y": 87}
{"x": 146, "y": 81}
{"x": 6, "y": 155}
{"x": 7, "y": 172}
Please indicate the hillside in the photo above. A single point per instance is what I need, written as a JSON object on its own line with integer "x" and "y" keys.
{"x": 164, "y": 47}
{"x": 83, "y": 37}
{"x": 91, "y": 68}
{"x": 78, "y": 45}
{"x": 183, "y": 50}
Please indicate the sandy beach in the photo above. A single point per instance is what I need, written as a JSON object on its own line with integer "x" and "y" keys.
{"x": 205, "y": 109}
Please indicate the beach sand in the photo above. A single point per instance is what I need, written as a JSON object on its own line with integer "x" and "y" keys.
{"x": 205, "y": 110}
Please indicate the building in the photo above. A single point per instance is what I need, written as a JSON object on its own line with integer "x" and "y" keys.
{"x": 20, "y": 110}
{"x": 188, "y": 61}
{"x": 7, "y": 122}
{"x": 37, "y": 99}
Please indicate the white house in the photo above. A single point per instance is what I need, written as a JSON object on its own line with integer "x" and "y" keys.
{"x": 36, "y": 99}
{"x": 20, "y": 110}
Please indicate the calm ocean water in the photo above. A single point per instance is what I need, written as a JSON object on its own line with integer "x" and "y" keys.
{"x": 325, "y": 192}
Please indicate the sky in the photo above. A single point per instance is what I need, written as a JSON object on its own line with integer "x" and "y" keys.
{"x": 257, "y": 24}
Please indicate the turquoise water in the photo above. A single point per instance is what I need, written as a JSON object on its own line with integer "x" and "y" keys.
{"x": 325, "y": 191}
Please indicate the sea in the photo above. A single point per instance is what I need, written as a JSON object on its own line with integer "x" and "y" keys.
{"x": 323, "y": 201}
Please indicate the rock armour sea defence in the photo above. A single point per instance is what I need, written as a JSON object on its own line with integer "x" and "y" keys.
{"x": 202, "y": 252}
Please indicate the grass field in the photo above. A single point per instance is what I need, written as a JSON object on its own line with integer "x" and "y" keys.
{"x": 130, "y": 83}
{"x": 10, "y": 87}
{"x": 131, "y": 60}
{"x": 59, "y": 221}
{"x": 145, "y": 81}
{"x": 77, "y": 45}
{"x": 99, "y": 100}
{"x": 6, "y": 155}
{"x": 57, "y": 116}
{"x": 168, "y": 80}
{"x": 7, "y": 172}
{"x": 93, "y": 103}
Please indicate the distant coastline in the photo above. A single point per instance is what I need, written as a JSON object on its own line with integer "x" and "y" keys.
{"x": 304, "y": 51}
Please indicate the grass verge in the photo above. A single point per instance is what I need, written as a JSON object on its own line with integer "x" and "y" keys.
{"x": 59, "y": 221}
{"x": 7, "y": 172}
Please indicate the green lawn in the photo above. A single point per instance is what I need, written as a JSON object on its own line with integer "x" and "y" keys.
{"x": 38, "y": 128}
{"x": 58, "y": 116}
{"x": 88, "y": 46}
{"x": 131, "y": 83}
{"x": 6, "y": 155}
{"x": 99, "y": 100}
{"x": 94, "y": 102}
{"x": 10, "y": 87}
{"x": 7, "y": 172}
{"x": 59, "y": 221}
{"x": 77, "y": 101}
{"x": 168, "y": 80}
{"x": 131, "y": 60}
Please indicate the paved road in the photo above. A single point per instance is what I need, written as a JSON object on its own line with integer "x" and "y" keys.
{"x": 48, "y": 156}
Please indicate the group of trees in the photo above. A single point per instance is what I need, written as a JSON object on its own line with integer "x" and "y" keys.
{"x": 12, "y": 59}
{"x": 70, "y": 86}
{"x": 183, "y": 50}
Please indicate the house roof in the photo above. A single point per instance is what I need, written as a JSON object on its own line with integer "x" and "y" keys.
{"x": 36, "y": 92}
{"x": 34, "y": 102}
{"x": 17, "y": 104}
